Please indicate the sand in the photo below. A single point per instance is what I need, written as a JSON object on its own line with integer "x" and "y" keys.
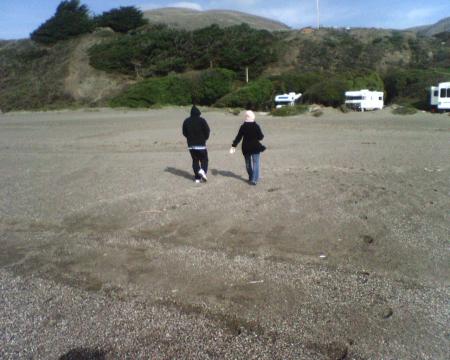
{"x": 110, "y": 250}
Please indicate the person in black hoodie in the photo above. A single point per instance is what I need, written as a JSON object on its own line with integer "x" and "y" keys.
{"x": 196, "y": 131}
{"x": 251, "y": 134}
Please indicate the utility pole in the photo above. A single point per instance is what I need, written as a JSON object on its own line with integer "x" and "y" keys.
{"x": 318, "y": 14}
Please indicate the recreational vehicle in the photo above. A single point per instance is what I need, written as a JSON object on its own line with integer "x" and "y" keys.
{"x": 440, "y": 97}
{"x": 364, "y": 100}
{"x": 286, "y": 99}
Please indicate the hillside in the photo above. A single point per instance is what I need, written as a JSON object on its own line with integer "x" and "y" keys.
{"x": 35, "y": 77}
{"x": 430, "y": 30}
{"x": 92, "y": 69}
{"x": 359, "y": 48}
{"x": 187, "y": 19}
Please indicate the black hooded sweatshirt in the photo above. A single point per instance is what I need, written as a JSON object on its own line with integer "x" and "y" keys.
{"x": 196, "y": 129}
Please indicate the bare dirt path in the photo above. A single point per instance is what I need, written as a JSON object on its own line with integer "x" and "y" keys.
{"x": 109, "y": 248}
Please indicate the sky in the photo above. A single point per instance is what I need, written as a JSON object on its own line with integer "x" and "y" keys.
{"x": 18, "y": 18}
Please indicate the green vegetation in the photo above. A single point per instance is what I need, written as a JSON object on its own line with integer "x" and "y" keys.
{"x": 411, "y": 86}
{"x": 341, "y": 50}
{"x": 157, "y": 91}
{"x": 297, "y": 82}
{"x": 207, "y": 66}
{"x": 404, "y": 110}
{"x": 327, "y": 88}
{"x": 158, "y": 50}
{"x": 204, "y": 88}
{"x": 317, "y": 113}
{"x": 255, "y": 95}
{"x": 155, "y": 53}
{"x": 32, "y": 77}
{"x": 122, "y": 19}
{"x": 71, "y": 19}
{"x": 290, "y": 110}
{"x": 212, "y": 85}
{"x": 344, "y": 108}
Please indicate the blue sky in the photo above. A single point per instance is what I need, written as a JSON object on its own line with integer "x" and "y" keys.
{"x": 20, "y": 17}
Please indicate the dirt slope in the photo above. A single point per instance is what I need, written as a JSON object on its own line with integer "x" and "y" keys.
{"x": 83, "y": 82}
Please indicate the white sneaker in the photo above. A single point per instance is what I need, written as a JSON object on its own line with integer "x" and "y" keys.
{"x": 202, "y": 173}
{"x": 197, "y": 181}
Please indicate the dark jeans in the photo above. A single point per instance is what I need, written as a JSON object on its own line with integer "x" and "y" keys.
{"x": 252, "y": 166}
{"x": 199, "y": 161}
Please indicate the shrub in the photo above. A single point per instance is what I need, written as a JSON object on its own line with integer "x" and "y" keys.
{"x": 317, "y": 113}
{"x": 404, "y": 110}
{"x": 295, "y": 82}
{"x": 241, "y": 46}
{"x": 290, "y": 110}
{"x": 212, "y": 85}
{"x": 255, "y": 95}
{"x": 203, "y": 89}
{"x": 113, "y": 56}
{"x": 155, "y": 53}
{"x": 412, "y": 86}
{"x": 344, "y": 108}
{"x": 158, "y": 50}
{"x": 122, "y": 19}
{"x": 329, "y": 92}
{"x": 167, "y": 90}
{"x": 370, "y": 80}
{"x": 327, "y": 88}
{"x": 71, "y": 19}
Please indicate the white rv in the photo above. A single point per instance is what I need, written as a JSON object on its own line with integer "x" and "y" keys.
{"x": 440, "y": 97}
{"x": 286, "y": 99}
{"x": 364, "y": 100}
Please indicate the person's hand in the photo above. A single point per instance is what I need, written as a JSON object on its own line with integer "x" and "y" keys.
{"x": 232, "y": 150}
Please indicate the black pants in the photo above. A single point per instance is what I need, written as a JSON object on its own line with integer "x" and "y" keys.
{"x": 199, "y": 161}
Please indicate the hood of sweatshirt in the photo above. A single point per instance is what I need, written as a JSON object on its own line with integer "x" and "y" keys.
{"x": 195, "y": 111}
{"x": 249, "y": 116}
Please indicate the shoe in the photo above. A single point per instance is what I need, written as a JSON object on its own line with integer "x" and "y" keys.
{"x": 252, "y": 183}
{"x": 197, "y": 181}
{"x": 202, "y": 173}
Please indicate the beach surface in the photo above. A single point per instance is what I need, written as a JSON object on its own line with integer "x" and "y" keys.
{"x": 109, "y": 250}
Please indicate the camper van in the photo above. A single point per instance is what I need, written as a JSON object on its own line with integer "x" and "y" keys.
{"x": 364, "y": 100}
{"x": 440, "y": 97}
{"x": 286, "y": 99}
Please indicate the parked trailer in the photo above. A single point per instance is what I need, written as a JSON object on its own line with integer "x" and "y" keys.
{"x": 364, "y": 100}
{"x": 440, "y": 97}
{"x": 286, "y": 99}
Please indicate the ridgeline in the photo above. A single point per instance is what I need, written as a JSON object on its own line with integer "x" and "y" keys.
{"x": 152, "y": 64}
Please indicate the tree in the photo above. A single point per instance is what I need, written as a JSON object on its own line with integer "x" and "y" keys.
{"x": 246, "y": 47}
{"x": 121, "y": 20}
{"x": 71, "y": 19}
{"x": 255, "y": 95}
{"x": 207, "y": 44}
{"x": 212, "y": 85}
{"x": 329, "y": 92}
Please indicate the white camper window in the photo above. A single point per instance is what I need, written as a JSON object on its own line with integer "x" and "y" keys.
{"x": 443, "y": 93}
{"x": 436, "y": 93}
{"x": 349, "y": 97}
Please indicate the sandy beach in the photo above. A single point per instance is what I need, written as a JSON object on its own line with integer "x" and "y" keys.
{"x": 111, "y": 251}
